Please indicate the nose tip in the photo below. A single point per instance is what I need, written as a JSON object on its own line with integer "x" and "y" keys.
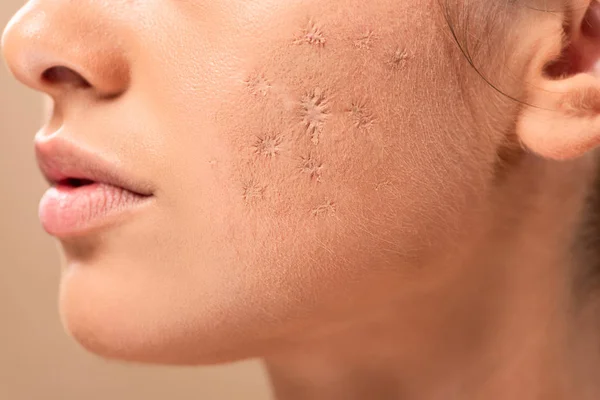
{"x": 57, "y": 47}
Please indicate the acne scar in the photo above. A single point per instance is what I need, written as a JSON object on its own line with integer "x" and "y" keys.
{"x": 312, "y": 34}
{"x": 315, "y": 111}
{"x": 365, "y": 41}
{"x": 398, "y": 58}
{"x": 360, "y": 114}
{"x": 325, "y": 209}
{"x": 258, "y": 85}
{"x": 311, "y": 167}
{"x": 382, "y": 185}
{"x": 253, "y": 191}
{"x": 268, "y": 146}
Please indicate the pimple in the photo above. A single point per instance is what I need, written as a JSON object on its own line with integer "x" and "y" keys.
{"x": 315, "y": 111}
{"x": 312, "y": 34}
{"x": 268, "y": 146}
{"x": 325, "y": 209}
{"x": 311, "y": 167}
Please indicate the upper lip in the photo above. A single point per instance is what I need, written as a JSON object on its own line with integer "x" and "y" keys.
{"x": 60, "y": 160}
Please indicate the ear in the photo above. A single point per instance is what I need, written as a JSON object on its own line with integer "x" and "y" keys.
{"x": 562, "y": 117}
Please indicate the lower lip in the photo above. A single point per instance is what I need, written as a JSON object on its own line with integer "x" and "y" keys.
{"x": 72, "y": 211}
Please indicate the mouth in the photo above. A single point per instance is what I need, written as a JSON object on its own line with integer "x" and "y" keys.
{"x": 86, "y": 191}
{"x": 69, "y": 164}
{"x": 75, "y": 182}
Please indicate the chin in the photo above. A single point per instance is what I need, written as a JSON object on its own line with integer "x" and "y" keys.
{"x": 110, "y": 319}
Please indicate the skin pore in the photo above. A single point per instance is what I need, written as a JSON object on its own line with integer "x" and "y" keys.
{"x": 335, "y": 188}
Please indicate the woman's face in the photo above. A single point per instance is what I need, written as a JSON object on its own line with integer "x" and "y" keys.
{"x": 305, "y": 157}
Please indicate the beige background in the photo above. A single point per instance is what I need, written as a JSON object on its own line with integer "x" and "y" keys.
{"x": 37, "y": 359}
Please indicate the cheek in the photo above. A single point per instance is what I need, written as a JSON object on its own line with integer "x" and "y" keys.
{"x": 303, "y": 163}
{"x": 297, "y": 131}
{"x": 327, "y": 121}
{"x": 333, "y": 143}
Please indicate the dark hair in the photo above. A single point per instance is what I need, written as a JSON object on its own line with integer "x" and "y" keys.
{"x": 459, "y": 23}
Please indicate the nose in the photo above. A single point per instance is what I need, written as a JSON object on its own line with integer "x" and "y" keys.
{"x": 62, "y": 46}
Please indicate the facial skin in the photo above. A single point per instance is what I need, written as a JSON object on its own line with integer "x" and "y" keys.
{"x": 278, "y": 185}
{"x": 310, "y": 161}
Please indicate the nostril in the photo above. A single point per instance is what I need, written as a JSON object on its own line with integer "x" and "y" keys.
{"x": 64, "y": 76}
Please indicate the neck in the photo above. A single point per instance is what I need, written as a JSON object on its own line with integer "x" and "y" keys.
{"x": 510, "y": 322}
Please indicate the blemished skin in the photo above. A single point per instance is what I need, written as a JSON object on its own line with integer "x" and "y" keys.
{"x": 335, "y": 189}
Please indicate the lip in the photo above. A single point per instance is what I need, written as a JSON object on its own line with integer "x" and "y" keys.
{"x": 87, "y": 191}
{"x": 60, "y": 160}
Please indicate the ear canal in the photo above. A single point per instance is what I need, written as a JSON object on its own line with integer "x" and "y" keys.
{"x": 591, "y": 26}
{"x": 563, "y": 121}
{"x": 585, "y": 43}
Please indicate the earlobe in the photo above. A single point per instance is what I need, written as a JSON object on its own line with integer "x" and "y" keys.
{"x": 562, "y": 117}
